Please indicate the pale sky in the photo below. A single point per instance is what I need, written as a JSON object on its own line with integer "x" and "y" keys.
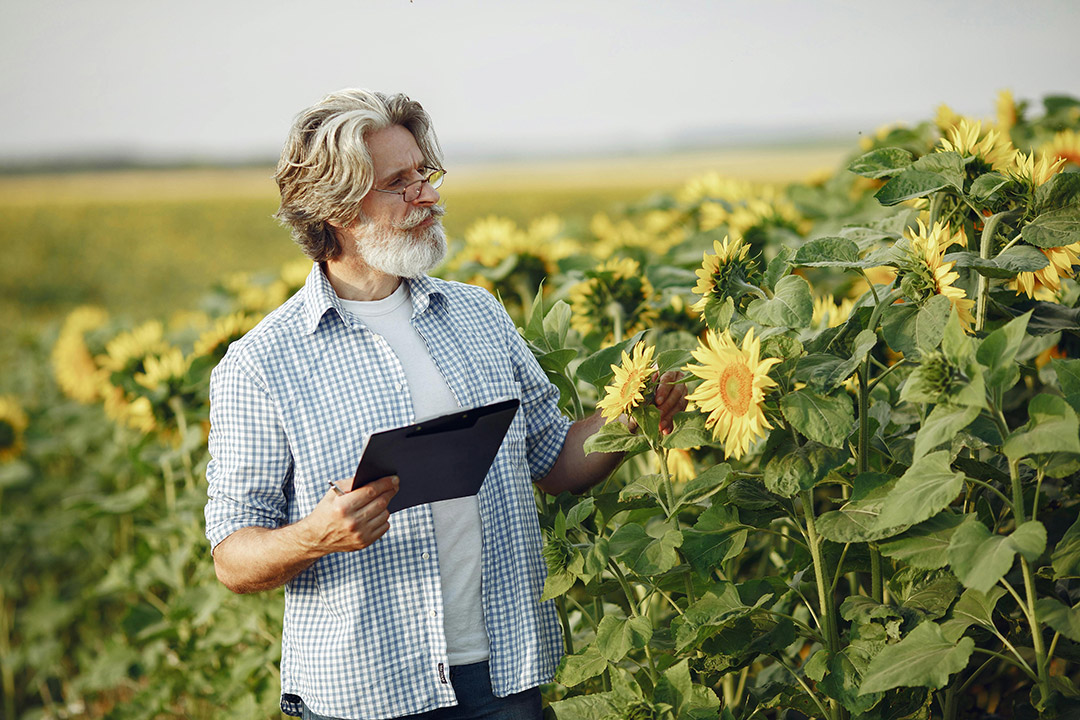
{"x": 206, "y": 80}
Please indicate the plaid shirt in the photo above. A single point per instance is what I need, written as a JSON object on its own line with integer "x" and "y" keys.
{"x": 291, "y": 406}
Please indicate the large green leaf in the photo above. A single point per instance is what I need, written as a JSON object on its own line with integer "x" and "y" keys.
{"x": 1066, "y": 555}
{"x": 576, "y": 669}
{"x": 973, "y": 608}
{"x": 708, "y": 482}
{"x": 598, "y": 706}
{"x": 1057, "y": 615}
{"x": 998, "y": 353}
{"x": 1052, "y": 427}
{"x": 827, "y": 419}
{"x": 980, "y": 558}
{"x": 926, "y": 545}
{"x": 1054, "y": 228}
{"x": 911, "y": 184}
{"x": 913, "y": 330}
{"x": 1068, "y": 374}
{"x": 1060, "y": 191}
{"x": 646, "y": 554}
{"x": 883, "y": 162}
{"x": 923, "y": 491}
{"x": 597, "y": 368}
{"x": 857, "y": 520}
{"x": 615, "y": 437}
{"x": 924, "y": 658}
{"x": 828, "y": 252}
{"x": 802, "y": 468}
{"x": 714, "y": 611}
{"x": 792, "y": 305}
{"x": 846, "y": 668}
{"x": 616, "y": 636}
{"x": 942, "y": 425}
{"x": 948, "y": 165}
{"x": 716, "y": 536}
{"x": 1017, "y": 259}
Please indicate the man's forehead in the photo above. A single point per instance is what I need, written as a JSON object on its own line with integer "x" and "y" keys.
{"x": 393, "y": 150}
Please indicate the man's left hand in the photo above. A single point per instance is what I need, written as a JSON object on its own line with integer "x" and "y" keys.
{"x": 670, "y": 398}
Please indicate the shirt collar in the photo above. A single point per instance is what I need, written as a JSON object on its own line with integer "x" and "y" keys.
{"x": 319, "y": 296}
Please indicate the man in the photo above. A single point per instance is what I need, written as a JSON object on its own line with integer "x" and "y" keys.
{"x": 437, "y": 607}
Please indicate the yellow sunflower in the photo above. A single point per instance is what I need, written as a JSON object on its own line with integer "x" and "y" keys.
{"x": 946, "y": 118}
{"x": 1006, "y": 110}
{"x": 929, "y": 247}
{"x": 680, "y": 464}
{"x": 658, "y": 231}
{"x": 733, "y": 389}
{"x": 614, "y": 302}
{"x": 719, "y": 272}
{"x": 1035, "y": 173}
{"x": 226, "y": 330}
{"x": 126, "y": 352}
{"x": 74, "y": 368}
{"x": 1044, "y": 283}
{"x": 1064, "y": 145}
{"x": 626, "y": 389}
{"x": 828, "y": 314}
{"x": 13, "y": 424}
{"x": 968, "y": 139}
{"x": 163, "y": 371}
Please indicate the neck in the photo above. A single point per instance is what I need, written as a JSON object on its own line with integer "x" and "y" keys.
{"x": 354, "y": 280}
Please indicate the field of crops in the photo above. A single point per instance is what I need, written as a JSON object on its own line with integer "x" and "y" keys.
{"x": 870, "y": 511}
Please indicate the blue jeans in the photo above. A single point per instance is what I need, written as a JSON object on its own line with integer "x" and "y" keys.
{"x": 476, "y": 701}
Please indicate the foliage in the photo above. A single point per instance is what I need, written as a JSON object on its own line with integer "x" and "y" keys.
{"x": 871, "y": 511}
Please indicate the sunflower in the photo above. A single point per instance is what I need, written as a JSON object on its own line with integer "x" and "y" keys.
{"x": 929, "y": 274}
{"x": 226, "y": 330}
{"x": 164, "y": 372}
{"x": 631, "y": 378}
{"x": 658, "y": 232}
{"x": 1006, "y": 110}
{"x": 1045, "y": 282}
{"x": 13, "y": 424}
{"x": 733, "y": 389}
{"x": 992, "y": 147}
{"x": 126, "y": 352}
{"x": 946, "y": 118}
{"x": 1066, "y": 145}
{"x": 74, "y": 368}
{"x": 827, "y": 314}
{"x": 615, "y": 301}
{"x": 1035, "y": 173}
{"x": 726, "y": 273}
{"x": 680, "y": 465}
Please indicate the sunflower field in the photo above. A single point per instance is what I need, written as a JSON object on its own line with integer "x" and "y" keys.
{"x": 870, "y": 509}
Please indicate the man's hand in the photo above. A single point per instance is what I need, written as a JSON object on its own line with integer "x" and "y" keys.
{"x": 353, "y": 520}
{"x": 670, "y": 397}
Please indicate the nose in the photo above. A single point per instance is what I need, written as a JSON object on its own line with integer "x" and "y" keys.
{"x": 428, "y": 195}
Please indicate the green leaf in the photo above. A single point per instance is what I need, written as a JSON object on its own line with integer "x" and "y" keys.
{"x": 676, "y": 689}
{"x": 828, "y": 252}
{"x": 707, "y": 483}
{"x": 792, "y": 305}
{"x": 718, "y": 313}
{"x": 598, "y": 706}
{"x": 616, "y": 636}
{"x": 715, "y": 537}
{"x": 827, "y": 419}
{"x": 644, "y": 554}
{"x": 615, "y": 437}
{"x": 987, "y": 185}
{"x": 689, "y": 432}
{"x": 998, "y": 353}
{"x": 1017, "y": 259}
{"x": 925, "y": 545}
{"x": 1068, "y": 373}
{"x": 580, "y": 512}
{"x": 802, "y": 469}
{"x": 980, "y": 558}
{"x": 941, "y": 426}
{"x": 1058, "y": 616}
{"x": 556, "y": 585}
{"x": 1054, "y": 228}
{"x": 883, "y": 162}
{"x": 1066, "y": 556}
{"x": 576, "y": 669}
{"x": 911, "y": 184}
{"x": 924, "y": 658}
{"x": 718, "y": 608}
{"x": 975, "y": 607}
{"x": 596, "y": 369}
{"x": 557, "y": 324}
{"x": 857, "y": 520}
{"x": 913, "y": 330}
{"x": 923, "y": 491}
{"x": 1060, "y": 191}
{"x": 948, "y": 165}
{"x": 1052, "y": 427}
{"x": 779, "y": 267}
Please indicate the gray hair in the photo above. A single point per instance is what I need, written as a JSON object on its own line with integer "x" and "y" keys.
{"x": 325, "y": 168}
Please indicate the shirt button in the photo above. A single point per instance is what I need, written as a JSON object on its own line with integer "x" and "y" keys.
{"x": 425, "y": 556}
{"x": 434, "y": 614}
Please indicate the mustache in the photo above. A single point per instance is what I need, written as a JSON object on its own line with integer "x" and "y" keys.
{"x": 420, "y": 215}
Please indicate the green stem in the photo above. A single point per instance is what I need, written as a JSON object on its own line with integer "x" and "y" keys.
{"x": 826, "y": 619}
{"x": 669, "y": 491}
{"x": 1041, "y": 663}
{"x": 1006, "y": 658}
{"x": 7, "y": 673}
{"x": 935, "y": 207}
{"x": 991, "y": 488}
{"x": 564, "y": 618}
{"x": 806, "y": 689}
{"x": 986, "y": 250}
{"x": 625, "y": 585}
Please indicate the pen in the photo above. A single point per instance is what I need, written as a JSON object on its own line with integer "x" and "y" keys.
{"x": 338, "y": 490}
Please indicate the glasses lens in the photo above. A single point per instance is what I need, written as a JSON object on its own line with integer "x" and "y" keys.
{"x": 436, "y": 177}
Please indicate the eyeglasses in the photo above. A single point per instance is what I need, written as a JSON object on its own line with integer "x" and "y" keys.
{"x": 412, "y": 191}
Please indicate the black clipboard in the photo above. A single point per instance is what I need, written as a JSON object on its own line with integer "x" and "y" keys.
{"x": 438, "y": 459}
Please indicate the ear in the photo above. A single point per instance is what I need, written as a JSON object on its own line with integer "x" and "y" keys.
{"x": 338, "y": 225}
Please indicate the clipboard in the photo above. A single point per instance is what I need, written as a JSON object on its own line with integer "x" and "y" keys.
{"x": 441, "y": 458}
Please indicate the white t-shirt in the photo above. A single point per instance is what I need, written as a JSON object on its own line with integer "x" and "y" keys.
{"x": 457, "y": 521}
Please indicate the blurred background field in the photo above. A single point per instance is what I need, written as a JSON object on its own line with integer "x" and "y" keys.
{"x": 145, "y": 243}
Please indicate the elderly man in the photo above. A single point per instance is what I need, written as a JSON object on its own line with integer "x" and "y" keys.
{"x": 434, "y": 612}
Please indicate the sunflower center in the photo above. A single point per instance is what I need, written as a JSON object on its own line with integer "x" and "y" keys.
{"x": 7, "y": 435}
{"x": 736, "y": 388}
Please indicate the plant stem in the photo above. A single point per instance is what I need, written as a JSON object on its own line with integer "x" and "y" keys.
{"x": 986, "y": 249}
{"x": 806, "y": 689}
{"x": 826, "y": 620}
{"x": 564, "y": 618}
{"x": 1041, "y": 663}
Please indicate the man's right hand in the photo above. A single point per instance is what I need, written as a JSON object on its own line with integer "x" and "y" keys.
{"x": 353, "y": 520}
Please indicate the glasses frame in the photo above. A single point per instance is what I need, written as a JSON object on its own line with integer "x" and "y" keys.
{"x": 418, "y": 184}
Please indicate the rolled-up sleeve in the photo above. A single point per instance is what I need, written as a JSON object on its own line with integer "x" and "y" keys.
{"x": 250, "y": 463}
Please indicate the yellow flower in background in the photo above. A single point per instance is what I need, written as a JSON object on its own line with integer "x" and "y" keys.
{"x": 946, "y": 119}
{"x": 1044, "y": 283}
{"x": 1026, "y": 169}
{"x": 968, "y": 139}
{"x": 1064, "y": 145}
{"x": 1006, "y": 110}
{"x": 226, "y": 330}
{"x": 727, "y": 265}
{"x": 867, "y": 143}
{"x": 295, "y": 273}
{"x": 680, "y": 465}
{"x": 163, "y": 371}
{"x": 828, "y": 314}
{"x": 626, "y": 389}
{"x": 127, "y": 351}
{"x": 76, "y": 372}
{"x": 615, "y": 301}
{"x": 136, "y": 413}
{"x": 13, "y": 423}
{"x": 733, "y": 389}
{"x": 929, "y": 247}
{"x": 657, "y": 232}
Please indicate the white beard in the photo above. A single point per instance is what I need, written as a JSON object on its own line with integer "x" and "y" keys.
{"x": 403, "y": 249}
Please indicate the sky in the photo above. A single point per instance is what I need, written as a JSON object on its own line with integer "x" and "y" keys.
{"x": 221, "y": 80}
